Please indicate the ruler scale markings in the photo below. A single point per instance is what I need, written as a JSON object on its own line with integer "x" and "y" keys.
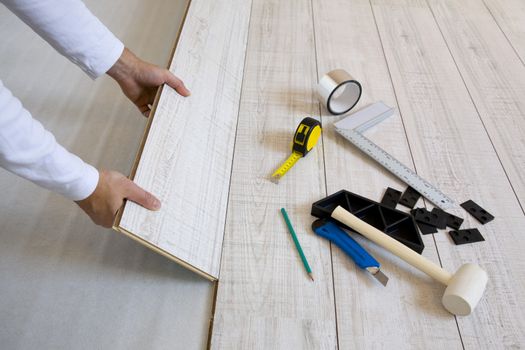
{"x": 397, "y": 168}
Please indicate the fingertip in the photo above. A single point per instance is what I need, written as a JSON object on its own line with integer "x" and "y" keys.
{"x": 181, "y": 89}
{"x": 177, "y": 84}
{"x": 136, "y": 194}
{"x": 155, "y": 205}
{"x": 184, "y": 91}
{"x": 151, "y": 202}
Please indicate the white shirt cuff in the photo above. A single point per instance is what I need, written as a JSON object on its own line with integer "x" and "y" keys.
{"x": 85, "y": 186}
{"x": 113, "y": 50}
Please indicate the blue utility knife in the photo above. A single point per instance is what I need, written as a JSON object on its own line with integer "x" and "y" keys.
{"x": 329, "y": 230}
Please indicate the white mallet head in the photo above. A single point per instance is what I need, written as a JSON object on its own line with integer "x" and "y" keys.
{"x": 465, "y": 289}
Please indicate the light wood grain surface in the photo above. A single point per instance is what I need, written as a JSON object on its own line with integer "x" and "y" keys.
{"x": 494, "y": 78}
{"x": 509, "y": 15}
{"x": 452, "y": 148}
{"x": 458, "y": 125}
{"x": 265, "y": 299}
{"x": 187, "y": 158}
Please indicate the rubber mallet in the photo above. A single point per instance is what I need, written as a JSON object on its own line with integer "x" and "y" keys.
{"x": 464, "y": 288}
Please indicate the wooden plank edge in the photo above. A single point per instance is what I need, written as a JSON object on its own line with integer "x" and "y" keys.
{"x": 166, "y": 254}
{"x": 212, "y": 318}
{"x": 120, "y": 212}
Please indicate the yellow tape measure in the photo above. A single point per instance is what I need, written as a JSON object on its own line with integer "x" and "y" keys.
{"x": 306, "y": 136}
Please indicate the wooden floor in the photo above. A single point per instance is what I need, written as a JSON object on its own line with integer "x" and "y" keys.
{"x": 455, "y": 72}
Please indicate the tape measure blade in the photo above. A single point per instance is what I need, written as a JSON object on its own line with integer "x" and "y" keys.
{"x": 287, "y": 165}
{"x": 397, "y": 168}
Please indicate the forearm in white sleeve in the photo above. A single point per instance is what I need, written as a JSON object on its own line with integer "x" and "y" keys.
{"x": 72, "y": 30}
{"x": 30, "y": 151}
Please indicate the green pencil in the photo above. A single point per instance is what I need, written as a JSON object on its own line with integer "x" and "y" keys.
{"x": 297, "y": 245}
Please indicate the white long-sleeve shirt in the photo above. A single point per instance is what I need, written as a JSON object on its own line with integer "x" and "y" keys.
{"x": 26, "y": 148}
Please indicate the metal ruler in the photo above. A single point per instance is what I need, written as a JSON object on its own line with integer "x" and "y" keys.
{"x": 397, "y": 168}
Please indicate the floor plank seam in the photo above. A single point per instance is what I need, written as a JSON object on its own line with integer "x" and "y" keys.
{"x": 407, "y": 139}
{"x": 476, "y": 108}
{"x": 503, "y": 32}
{"x": 393, "y": 88}
{"x": 325, "y": 180}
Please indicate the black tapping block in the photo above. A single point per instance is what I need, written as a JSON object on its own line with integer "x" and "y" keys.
{"x": 469, "y": 235}
{"x": 442, "y": 217}
{"x": 397, "y": 224}
{"x": 453, "y": 221}
{"x": 410, "y": 197}
{"x": 425, "y": 216}
{"x": 426, "y": 229}
{"x": 391, "y": 198}
{"x": 476, "y": 211}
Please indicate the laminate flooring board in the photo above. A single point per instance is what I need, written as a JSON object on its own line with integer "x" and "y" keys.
{"x": 494, "y": 76}
{"x": 64, "y": 282}
{"x": 187, "y": 157}
{"x": 510, "y": 15}
{"x": 265, "y": 299}
{"x": 451, "y": 148}
{"x": 368, "y": 314}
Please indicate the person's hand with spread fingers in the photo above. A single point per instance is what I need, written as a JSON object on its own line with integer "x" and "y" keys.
{"x": 30, "y": 151}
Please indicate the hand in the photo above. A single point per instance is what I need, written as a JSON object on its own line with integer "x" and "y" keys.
{"x": 113, "y": 187}
{"x": 139, "y": 80}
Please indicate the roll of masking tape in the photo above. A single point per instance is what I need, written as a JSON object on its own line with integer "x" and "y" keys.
{"x": 338, "y": 91}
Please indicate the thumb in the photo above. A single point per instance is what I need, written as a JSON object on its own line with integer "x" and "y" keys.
{"x": 176, "y": 84}
{"x": 136, "y": 194}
